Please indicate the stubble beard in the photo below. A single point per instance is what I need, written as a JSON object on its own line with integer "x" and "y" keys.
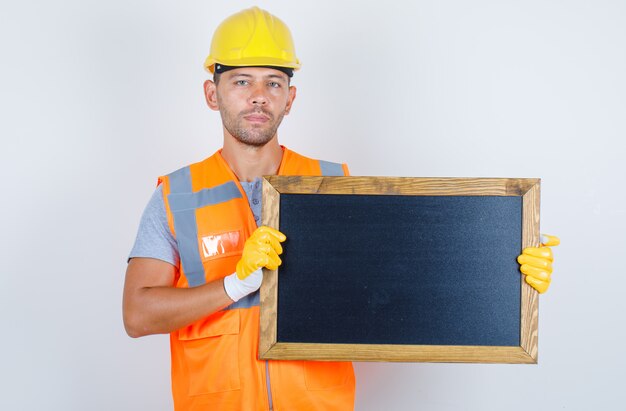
{"x": 251, "y": 135}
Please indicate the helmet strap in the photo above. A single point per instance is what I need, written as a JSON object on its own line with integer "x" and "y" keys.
{"x": 220, "y": 68}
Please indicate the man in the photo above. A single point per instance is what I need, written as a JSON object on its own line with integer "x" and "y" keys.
{"x": 196, "y": 266}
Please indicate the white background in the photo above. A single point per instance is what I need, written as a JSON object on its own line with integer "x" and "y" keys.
{"x": 99, "y": 98}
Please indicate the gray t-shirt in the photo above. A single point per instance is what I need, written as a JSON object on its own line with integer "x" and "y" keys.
{"x": 154, "y": 237}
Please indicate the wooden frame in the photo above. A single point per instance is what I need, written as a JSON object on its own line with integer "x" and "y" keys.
{"x": 528, "y": 189}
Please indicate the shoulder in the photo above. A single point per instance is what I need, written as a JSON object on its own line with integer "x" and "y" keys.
{"x": 180, "y": 179}
{"x": 324, "y": 167}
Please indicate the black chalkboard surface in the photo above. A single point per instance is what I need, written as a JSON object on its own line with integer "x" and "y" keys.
{"x": 370, "y": 275}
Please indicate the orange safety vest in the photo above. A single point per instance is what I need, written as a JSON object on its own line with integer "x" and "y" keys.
{"x": 214, "y": 360}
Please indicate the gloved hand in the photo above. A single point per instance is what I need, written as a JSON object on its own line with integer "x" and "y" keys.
{"x": 262, "y": 249}
{"x": 536, "y": 263}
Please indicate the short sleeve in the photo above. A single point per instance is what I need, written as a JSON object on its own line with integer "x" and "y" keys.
{"x": 154, "y": 237}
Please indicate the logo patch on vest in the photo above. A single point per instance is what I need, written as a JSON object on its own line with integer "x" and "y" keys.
{"x": 220, "y": 244}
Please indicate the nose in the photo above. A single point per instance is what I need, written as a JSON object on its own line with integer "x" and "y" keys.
{"x": 258, "y": 96}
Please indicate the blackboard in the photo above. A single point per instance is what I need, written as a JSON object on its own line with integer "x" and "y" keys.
{"x": 400, "y": 269}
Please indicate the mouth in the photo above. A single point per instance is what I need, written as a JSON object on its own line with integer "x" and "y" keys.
{"x": 257, "y": 117}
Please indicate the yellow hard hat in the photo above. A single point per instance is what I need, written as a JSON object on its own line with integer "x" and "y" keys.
{"x": 252, "y": 37}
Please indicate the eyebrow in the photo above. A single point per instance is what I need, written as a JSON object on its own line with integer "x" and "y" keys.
{"x": 269, "y": 76}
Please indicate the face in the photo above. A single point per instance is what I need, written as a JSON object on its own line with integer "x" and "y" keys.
{"x": 252, "y": 102}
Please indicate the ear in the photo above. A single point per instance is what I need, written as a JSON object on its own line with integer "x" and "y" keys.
{"x": 210, "y": 94}
{"x": 292, "y": 97}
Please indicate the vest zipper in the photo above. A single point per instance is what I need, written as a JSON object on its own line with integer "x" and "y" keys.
{"x": 268, "y": 384}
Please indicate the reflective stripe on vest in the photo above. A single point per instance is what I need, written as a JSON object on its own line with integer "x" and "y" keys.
{"x": 183, "y": 204}
{"x": 331, "y": 169}
{"x": 250, "y": 300}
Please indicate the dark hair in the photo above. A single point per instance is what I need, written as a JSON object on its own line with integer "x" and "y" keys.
{"x": 216, "y": 77}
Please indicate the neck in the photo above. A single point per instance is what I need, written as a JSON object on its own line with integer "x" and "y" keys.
{"x": 250, "y": 162}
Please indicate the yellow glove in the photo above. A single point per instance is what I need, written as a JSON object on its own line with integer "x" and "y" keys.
{"x": 536, "y": 263}
{"x": 261, "y": 249}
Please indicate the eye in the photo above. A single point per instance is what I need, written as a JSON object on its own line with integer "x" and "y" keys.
{"x": 241, "y": 82}
{"x": 274, "y": 84}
